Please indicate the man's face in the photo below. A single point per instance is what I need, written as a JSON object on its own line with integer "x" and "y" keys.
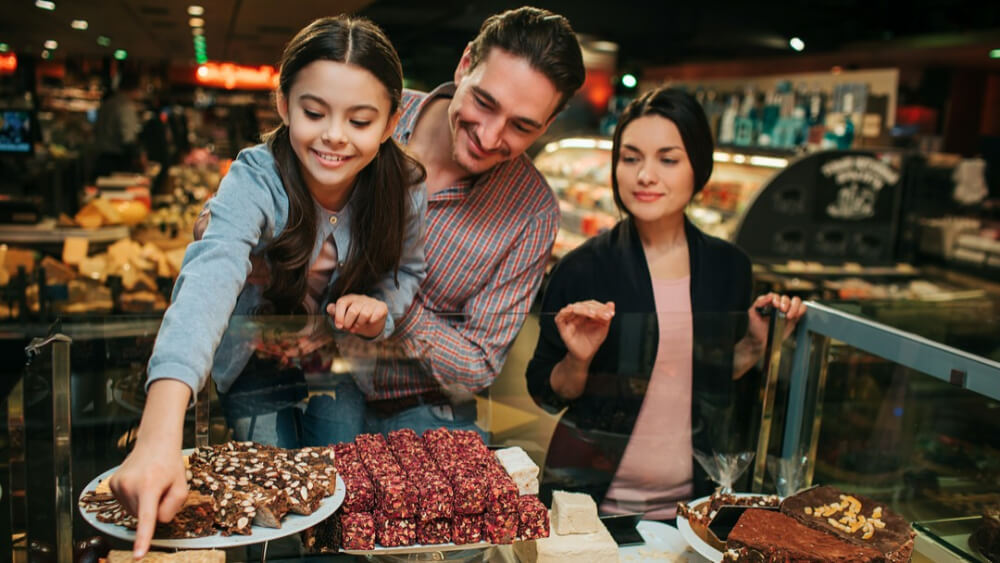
{"x": 499, "y": 109}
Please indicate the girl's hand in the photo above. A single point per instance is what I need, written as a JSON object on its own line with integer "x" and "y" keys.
{"x": 583, "y": 327}
{"x": 359, "y": 314}
{"x": 151, "y": 485}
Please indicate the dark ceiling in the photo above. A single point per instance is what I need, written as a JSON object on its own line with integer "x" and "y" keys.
{"x": 430, "y": 34}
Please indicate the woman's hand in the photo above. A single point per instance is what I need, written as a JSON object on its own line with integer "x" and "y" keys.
{"x": 151, "y": 482}
{"x": 750, "y": 349}
{"x": 359, "y": 314}
{"x": 583, "y": 327}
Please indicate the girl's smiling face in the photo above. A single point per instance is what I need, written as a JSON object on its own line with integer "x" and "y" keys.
{"x": 338, "y": 115}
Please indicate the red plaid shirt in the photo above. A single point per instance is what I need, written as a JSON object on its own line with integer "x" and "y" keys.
{"x": 488, "y": 242}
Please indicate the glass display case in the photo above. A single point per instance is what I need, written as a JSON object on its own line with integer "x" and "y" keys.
{"x": 897, "y": 416}
{"x": 873, "y": 410}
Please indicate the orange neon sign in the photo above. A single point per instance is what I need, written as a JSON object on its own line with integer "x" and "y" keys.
{"x": 8, "y": 63}
{"x": 230, "y": 76}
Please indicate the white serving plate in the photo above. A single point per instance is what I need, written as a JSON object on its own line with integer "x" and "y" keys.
{"x": 662, "y": 543}
{"x": 290, "y": 524}
{"x": 695, "y": 541}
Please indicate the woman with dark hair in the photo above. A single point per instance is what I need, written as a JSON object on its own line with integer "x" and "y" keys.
{"x": 327, "y": 215}
{"x": 654, "y": 327}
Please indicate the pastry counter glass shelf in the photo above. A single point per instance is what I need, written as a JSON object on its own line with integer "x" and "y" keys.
{"x": 892, "y": 412}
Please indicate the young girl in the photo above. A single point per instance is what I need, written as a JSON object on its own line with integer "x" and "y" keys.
{"x": 331, "y": 213}
{"x": 644, "y": 389}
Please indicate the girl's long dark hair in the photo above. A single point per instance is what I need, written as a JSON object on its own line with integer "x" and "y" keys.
{"x": 379, "y": 201}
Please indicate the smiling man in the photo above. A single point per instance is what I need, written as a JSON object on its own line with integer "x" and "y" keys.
{"x": 491, "y": 221}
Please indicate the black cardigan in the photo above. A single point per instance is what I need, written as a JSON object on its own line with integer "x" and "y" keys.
{"x": 612, "y": 267}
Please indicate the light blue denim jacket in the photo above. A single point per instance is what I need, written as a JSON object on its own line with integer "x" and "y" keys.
{"x": 249, "y": 211}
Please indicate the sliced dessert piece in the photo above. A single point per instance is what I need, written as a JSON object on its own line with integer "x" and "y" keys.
{"x": 764, "y": 536}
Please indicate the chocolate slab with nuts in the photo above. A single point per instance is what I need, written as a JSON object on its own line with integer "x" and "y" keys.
{"x": 853, "y": 518}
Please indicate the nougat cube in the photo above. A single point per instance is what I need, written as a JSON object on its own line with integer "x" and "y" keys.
{"x": 574, "y": 513}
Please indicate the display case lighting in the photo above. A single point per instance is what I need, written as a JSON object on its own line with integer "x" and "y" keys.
{"x": 195, "y": 10}
{"x": 196, "y": 31}
{"x": 580, "y": 143}
{"x": 196, "y": 22}
{"x": 104, "y": 41}
{"x": 765, "y": 161}
{"x": 51, "y": 44}
{"x": 80, "y": 25}
{"x": 121, "y": 54}
{"x": 768, "y": 161}
{"x": 45, "y": 5}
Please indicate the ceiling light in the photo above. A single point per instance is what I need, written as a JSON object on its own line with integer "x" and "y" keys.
{"x": 121, "y": 54}
{"x": 51, "y": 44}
{"x": 104, "y": 41}
{"x": 995, "y": 54}
{"x": 796, "y": 44}
{"x": 196, "y": 22}
{"x": 45, "y": 5}
{"x": 629, "y": 81}
{"x": 79, "y": 24}
{"x": 4, "y": 47}
{"x": 195, "y": 10}
{"x": 46, "y": 55}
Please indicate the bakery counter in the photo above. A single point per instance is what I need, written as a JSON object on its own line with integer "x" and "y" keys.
{"x": 72, "y": 412}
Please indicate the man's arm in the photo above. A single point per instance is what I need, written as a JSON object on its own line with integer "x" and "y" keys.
{"x": 467, "y": 350}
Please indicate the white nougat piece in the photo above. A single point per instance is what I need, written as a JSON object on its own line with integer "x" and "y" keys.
{"x": 596, "y": 547}
{"x": 521, "y": 468}
{"x": 529, "y": 488}
{"x": 574, "y": 513}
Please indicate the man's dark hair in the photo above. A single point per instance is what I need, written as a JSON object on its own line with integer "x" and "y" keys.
{"x": 545, "y": 39}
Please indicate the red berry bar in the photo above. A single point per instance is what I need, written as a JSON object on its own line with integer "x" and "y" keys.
{"x": 467, "y": 528}
{"x": 357, "y": 530}
{"x": 501, "y": 527}
{"x": 395, "y": 532}
{"x": 533, "y": 518}
{"x": 434, "y": 531}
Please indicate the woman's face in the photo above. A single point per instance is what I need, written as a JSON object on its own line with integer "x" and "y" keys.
{"x": 655, "y": 178}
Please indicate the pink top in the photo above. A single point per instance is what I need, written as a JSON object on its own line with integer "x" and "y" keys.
{"x": 314, "y": 336}
{"x": 656, "y": 469}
